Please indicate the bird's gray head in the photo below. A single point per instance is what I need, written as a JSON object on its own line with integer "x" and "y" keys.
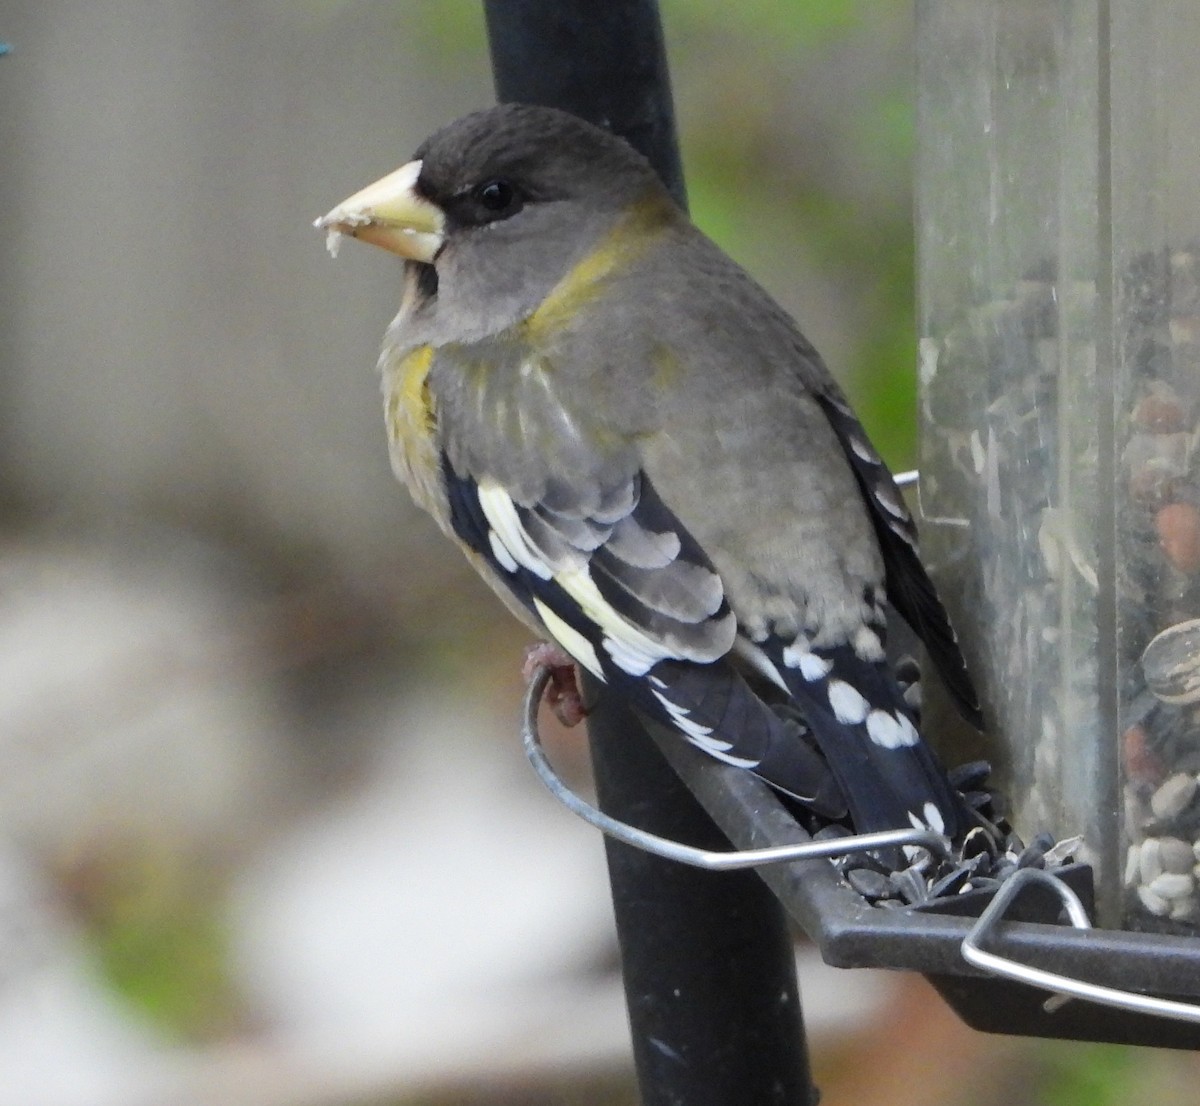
{"x": 502, "y": 203}
{"x": 489, "y": 166}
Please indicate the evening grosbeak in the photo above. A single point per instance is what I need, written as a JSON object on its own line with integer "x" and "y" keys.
{"x": 638, "y": 449}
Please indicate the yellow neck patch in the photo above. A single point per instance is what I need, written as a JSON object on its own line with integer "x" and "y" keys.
{"x": 409, "y": 398}
{"x": 632, "y": 235}
{"x": 410, "y": 421}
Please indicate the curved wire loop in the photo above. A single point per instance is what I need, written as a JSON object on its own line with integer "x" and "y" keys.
{"x": 689, "y": 854}
{"x": 1063, "y": 986}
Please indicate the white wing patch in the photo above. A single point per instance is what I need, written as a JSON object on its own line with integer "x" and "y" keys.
{"x": 884, "y": 497}
{"x": 892, "y": 731}
{"x": 696, "y": 732}
{"x": 708, "y": 746}
{"x": 501, "y": 513}
{"x": 867, "y": 645}
{"x": 812, "y": 666}
{"x": 503, "y": 557}
{"x": 930, "y": 818}
{"x": 849, "y": 706}
{"x": 757, "y": 659}
{"x": 701, "y": 736}
{"x": 570, "y": 639}
{"x": 861, "y": 448}
{"x": 902, "y": 532}
{"x": 630, "y": 647}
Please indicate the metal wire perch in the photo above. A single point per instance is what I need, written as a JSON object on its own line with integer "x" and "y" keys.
{"x": 1064, "y": 987}
{"x": 1061, "y": 985}
{"x": 707, "y": 859}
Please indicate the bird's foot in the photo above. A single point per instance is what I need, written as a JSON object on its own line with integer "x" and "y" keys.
{"x": 563, "y": 695}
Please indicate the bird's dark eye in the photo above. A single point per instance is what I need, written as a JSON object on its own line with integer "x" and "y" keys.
{"x": 492, "y": 200}
{"x": 496, "y": 196}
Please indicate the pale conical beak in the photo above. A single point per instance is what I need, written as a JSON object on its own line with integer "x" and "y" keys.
{"x": 389, "y": 214}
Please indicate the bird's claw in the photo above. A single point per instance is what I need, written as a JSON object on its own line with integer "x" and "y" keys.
{"x": 562, "y": 695}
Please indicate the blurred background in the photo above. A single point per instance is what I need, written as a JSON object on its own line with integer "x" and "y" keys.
{"x": 267, "y": 837}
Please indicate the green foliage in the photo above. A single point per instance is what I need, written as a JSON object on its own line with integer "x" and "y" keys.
{"x": 1090, "y": 1075}
{"x": 783, "y": 26}
{"x": 158, "y": 933}
{"x": 760, "y": 196}
{"x": 454, "y": 28}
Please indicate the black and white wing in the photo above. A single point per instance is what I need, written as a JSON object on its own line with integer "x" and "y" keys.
{"x": 907, "y": 584}
{"x": 619, "y": 583}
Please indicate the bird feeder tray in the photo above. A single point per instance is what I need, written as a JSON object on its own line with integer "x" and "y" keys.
{"x": 1148, "y": 982}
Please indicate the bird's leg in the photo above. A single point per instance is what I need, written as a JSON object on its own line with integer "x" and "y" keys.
{"x": 562, "y": 692}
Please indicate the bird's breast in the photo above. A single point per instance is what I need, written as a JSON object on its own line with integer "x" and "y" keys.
{"x": 411, "y": 423}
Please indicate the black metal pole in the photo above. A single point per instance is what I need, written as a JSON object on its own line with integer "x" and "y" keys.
{"x": 710, "y": 979}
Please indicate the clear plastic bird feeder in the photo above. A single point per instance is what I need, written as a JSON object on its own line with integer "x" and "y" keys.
{"x": 1059, "y": 268}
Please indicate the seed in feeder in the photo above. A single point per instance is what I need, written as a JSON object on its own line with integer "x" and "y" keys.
{"x": 911, "y": 885}
{"x": 1184, "y": 910}
{"x": 1189, "y": 762}
{"x": 1172, "y": 799}
{"x": 969, "y": 777}
{"x": 1153, "y": 904}
{"x": 1141, "y": 762}
{"x": 1176, "y": 855}
{"x": 1161, "y": 411}
{"x": 950, "y": 884}
{"x": 1153, "y": 481}
{"x": 1150, "y": 860}
{"x": 1171, "y": 664}
{"x": 1185, "y": 330}
{"x": 1178, "y": 526}
{"x": 1185, "y": 281}
{"x": 1132, "y": 866}
{"x": 1169, "y": 452}
{"x": 1064, "y": 851}
{"x": 868, "y": 883}
{"x": 981, "y": 843}
{"x": 1173, "y": 885}
{"x": 1137, "y": 811}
